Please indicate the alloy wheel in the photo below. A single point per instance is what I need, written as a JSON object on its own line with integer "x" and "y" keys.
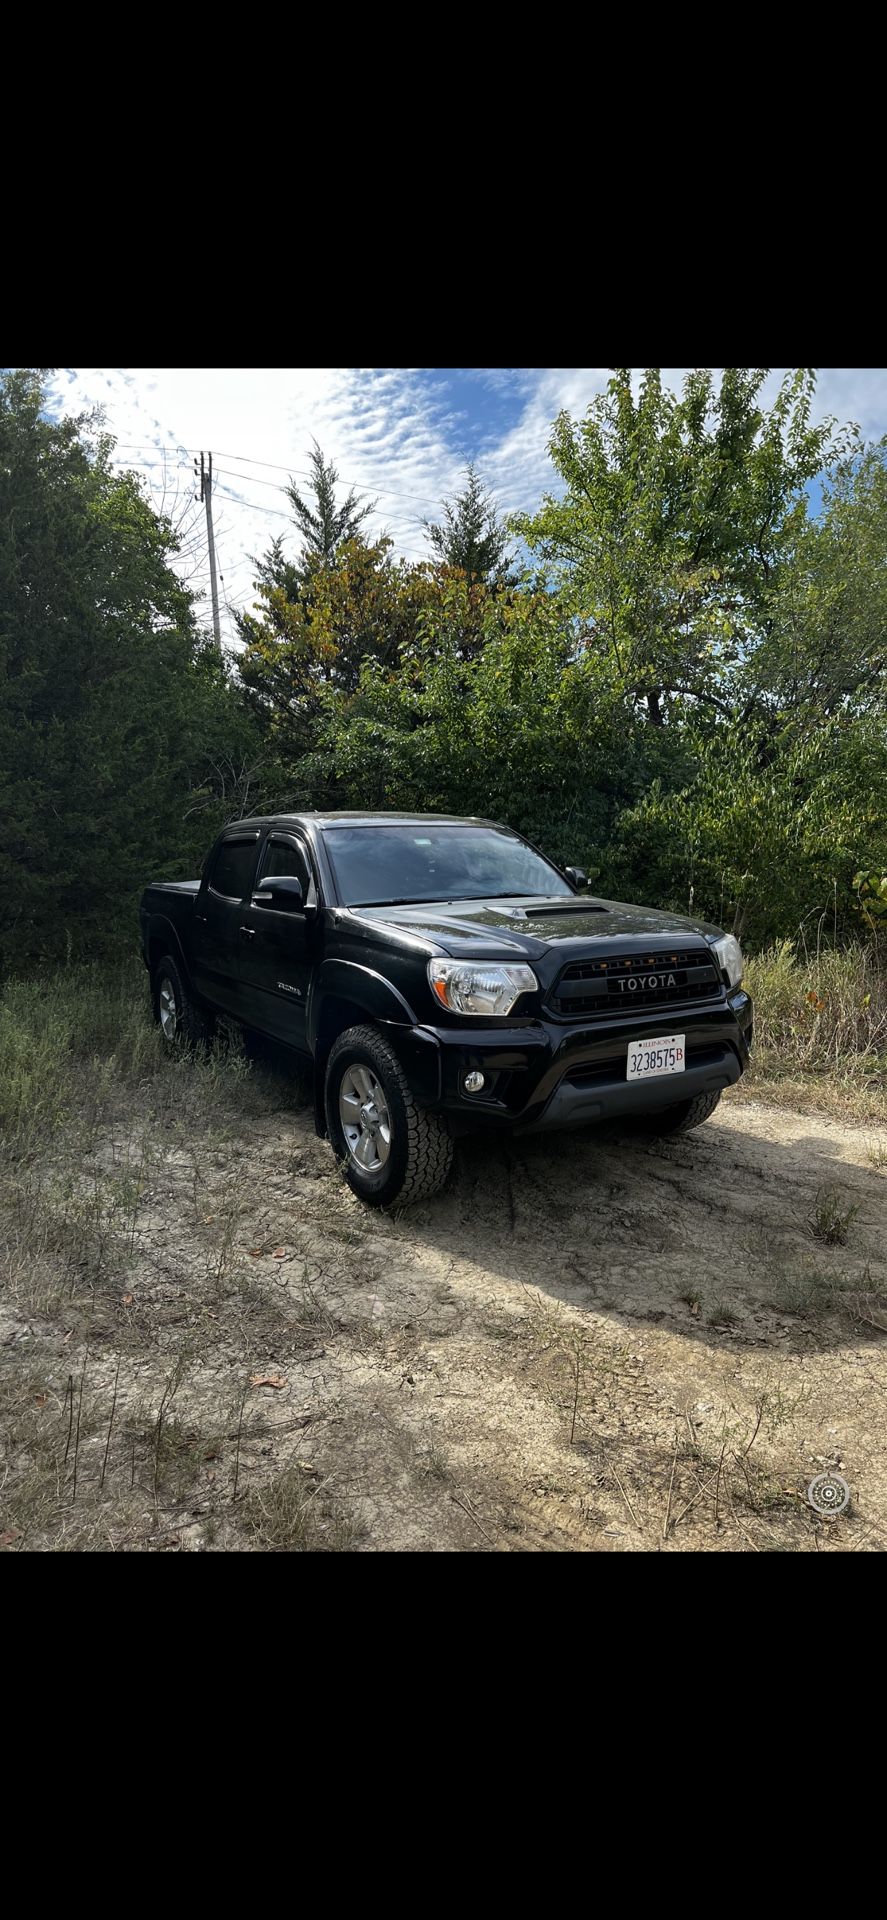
{"x": 169, "y": 1012}
{"x": 366, "y": 1121}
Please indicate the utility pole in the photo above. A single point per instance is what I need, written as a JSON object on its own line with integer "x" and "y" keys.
{"x": 206, "y": 495}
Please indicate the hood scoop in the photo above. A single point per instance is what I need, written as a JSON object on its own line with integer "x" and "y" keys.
{"x": 571, "y": 907}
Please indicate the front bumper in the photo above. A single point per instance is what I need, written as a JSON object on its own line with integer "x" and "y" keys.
{"x": 554, "y": 1073}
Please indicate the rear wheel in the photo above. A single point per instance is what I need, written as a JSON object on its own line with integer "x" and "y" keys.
{"x": 391, "y": 1149}
{"x": 684, "y": 1116}
{"x": 180, "y": 1019}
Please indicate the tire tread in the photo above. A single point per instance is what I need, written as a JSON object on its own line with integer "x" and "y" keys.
{"x": 693, "y": 1114}
{"x": 429, "y": 1142}
{"x": 196, "y": 1028}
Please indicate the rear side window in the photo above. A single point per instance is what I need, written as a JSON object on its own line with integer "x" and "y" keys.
{"x": 232, "y": 868}
{"x": 286, "y": 857}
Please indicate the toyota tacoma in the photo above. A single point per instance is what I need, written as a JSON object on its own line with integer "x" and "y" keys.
{"x": 441, "y": 975}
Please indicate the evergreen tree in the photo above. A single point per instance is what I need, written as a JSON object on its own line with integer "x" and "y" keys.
{"x": 325, "y": 527}
{"x": 274, "y": 572}
{"x": 472, "y": 536}
{"x": 115, "y": 712}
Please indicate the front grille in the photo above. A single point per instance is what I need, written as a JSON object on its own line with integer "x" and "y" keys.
{"x": 625, "y": 982}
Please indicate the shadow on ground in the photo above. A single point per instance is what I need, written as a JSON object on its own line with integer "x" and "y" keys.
{"x": 713, "y": 1231}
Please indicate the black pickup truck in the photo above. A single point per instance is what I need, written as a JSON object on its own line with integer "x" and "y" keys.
{"x": 442, "y": 975}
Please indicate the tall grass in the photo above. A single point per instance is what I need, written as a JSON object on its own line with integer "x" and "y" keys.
{"x": 65, "y": 1039}
{"x": 821, "y": 1019}
{"x": 78, "y": 1048}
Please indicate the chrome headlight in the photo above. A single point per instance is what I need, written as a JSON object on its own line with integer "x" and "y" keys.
{"x": 465, "y": 988}
{"x": 729, "y": 957}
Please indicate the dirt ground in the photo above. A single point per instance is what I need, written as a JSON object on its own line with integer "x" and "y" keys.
{"x": 592, "y": 1342}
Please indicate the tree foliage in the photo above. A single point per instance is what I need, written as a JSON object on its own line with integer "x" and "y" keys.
{"x": 677, "y": 520}
{"x": 686, "y": 692}
{"x": 692, "y": 700}
{"x": 472, "y": 535}
{"x": 326, "y": 526}
{"x": 116, "y": 720}
{"x": 360, "y": 607}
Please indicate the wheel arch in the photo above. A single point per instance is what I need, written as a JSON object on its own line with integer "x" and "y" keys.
{"x": 350, "y": 995}
{"x": 162, "y": 938}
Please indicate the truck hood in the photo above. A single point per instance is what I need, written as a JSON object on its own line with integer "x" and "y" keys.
{"x": 530, "y": 927}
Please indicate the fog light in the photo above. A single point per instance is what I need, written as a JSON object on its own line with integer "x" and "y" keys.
{"x": 473, "y": 1082}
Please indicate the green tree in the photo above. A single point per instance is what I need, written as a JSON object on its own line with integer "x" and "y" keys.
{"x": 318, "y": 636}
{"x": 678, "y": 516}
{"x": 274, "y": 573}
{"x": 472, "y": 535}
{"x": 767, "y": 831}
{"x": 826, "y": 646}
{"x": 120, "y": 737}
{"x": 325, "y": 527}
{"x": 690, "y": 701}
{"x": 518, "y": 731}
{"x": 782, "y": 795}
{"x": 306, "y": 648}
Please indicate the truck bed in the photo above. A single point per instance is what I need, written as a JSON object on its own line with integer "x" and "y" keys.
{"x": 170, "y": 902}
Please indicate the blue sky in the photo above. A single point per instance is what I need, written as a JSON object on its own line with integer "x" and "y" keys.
{"x": 402, "y": 434}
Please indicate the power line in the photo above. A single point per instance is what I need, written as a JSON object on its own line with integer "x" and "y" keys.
{"x": 249, "y": 479}
{"x": 407, "y": 522}
{"x": 275, "y": 466}
{"x": 226, "y": 494}
{"x": 304, "y": 473}
{"x": 168, "y": 467}
{"x": 152, "y": 446}
{"x": 277, "y": 512}
{"x": 413, "y": 519}
{"x": 253, "y": 479}
{"x": 301, "y": 473}
{"x": 165, "y": 453}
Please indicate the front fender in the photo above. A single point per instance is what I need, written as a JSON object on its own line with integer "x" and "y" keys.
{"x": 345, "y": 994}
{"x": 363, "y": 988}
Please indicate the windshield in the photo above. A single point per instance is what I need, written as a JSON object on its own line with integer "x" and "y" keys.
{"x": 400, "y": 866}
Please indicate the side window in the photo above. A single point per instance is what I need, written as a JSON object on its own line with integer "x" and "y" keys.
{"x": 286, "y": 857}
{"x": 232, "y": 868}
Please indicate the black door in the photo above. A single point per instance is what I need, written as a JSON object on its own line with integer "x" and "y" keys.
{"x": 219, "y": 917}
{"x": 277, "y": 948}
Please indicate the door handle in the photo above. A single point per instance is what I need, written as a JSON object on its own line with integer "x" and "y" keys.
{"x": 247, "y": 933}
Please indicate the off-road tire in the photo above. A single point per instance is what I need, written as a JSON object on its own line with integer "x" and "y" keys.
{"x": 421, "y": 1151}
{"x": 193, "y": 1027}
{"x": 683, "y": 1117}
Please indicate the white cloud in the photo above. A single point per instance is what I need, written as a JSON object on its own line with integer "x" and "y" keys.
{"x": 397, "y": 433}
{"x": 387, "y": 429}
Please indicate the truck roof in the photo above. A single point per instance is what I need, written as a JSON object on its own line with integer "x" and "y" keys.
{"x": 365, "y": 819}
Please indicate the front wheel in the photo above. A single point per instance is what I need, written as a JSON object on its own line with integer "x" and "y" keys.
{"x": 391, "y": 1149}
{"x": 684, "y": 1116}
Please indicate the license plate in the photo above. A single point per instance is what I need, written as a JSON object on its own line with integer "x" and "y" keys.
{"x": 648, "y": 1059}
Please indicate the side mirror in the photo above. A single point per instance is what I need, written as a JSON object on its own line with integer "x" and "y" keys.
{"x": 283, "y": 893}
{"x": 577, "y": 875}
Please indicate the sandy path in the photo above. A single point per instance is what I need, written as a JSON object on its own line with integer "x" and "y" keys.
{"x": 592, "y": 1342}
{"x": 636, "y": 1295}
